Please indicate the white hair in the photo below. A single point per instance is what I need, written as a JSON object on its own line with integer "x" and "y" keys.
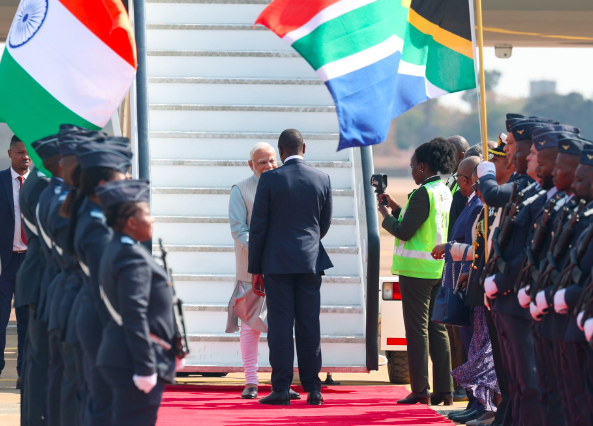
{"x": 258, "y": 146}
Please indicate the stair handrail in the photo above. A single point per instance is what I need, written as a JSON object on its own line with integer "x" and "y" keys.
{"x": 373, "y": 261}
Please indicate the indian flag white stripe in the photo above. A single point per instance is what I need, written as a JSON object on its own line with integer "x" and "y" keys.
{"x": 407, "y": 68}
{"x": 361, "y": 59}
{"x": 331, "y": 12}
{"x": 69, "y": 60}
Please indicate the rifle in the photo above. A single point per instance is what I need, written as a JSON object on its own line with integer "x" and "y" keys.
{"x": 560, "y": 242}
{"x": 529, "y": 263}
{"x": 181, "y": 344}
{"x": 501, "y": 236}
{"x": 572, "y": 272}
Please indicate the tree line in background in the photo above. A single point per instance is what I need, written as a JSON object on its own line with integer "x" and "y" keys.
{"x": 430, "y": 119}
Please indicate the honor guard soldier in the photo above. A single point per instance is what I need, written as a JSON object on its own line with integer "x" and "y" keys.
{"x": 28, "y": 279}
{"x": 100, "y": 161}
{"x": 555, "y": 325}
{"x": 136, "y": 355}
{"x": 513, "y": 323}
{"x": 561, "y": 174}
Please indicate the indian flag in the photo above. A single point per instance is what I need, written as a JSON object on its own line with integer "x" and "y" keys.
{"x": 65, "y": 62}
{"x": 378, "y": 58}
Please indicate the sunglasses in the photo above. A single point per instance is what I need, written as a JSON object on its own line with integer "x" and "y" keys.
{"x": 475, "y": 187}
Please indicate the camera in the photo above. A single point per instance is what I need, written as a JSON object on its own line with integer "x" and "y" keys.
{"x": 379, "y": 182}
{"x": 503, "y": 50}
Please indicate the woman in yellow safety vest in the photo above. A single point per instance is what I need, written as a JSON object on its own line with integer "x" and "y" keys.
{"x": 417, "y": 228}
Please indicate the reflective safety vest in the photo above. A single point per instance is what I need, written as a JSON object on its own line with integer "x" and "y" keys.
{"x": 413, "y": 258}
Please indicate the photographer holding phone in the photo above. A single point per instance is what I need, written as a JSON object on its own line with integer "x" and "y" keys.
{"x": 418, "y": 228}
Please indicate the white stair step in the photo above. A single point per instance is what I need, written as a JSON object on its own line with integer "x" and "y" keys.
{"x": 196, "y": 172}
{"x": 198, "y": 145}
{"x": 234, "y": 337}
{"x": 208, "y": 12}
{"x": 238, "y": 91}
{"x": 178, "y": 201}
{"x": 215, "y": 356}
{"x": 188, "y": 63}
{"x": 334, "y": 319}
{"x": 218, "y": 289}
{"x": 197, "y": 259}
{"x": 216, "y": 230}
{"x": 247, "y": 118}
{"x": 161, "y": 36}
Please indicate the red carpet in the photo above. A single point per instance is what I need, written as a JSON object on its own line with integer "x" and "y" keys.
{"x": 344, "y": 405}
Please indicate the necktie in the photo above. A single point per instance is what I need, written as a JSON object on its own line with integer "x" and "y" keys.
{"x": 23, "y": 236}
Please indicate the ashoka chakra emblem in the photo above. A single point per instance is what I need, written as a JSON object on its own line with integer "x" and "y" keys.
{"x": 27, "y": 21}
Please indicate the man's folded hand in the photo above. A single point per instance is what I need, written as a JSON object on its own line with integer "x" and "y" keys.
{"x": 258, "y": 285}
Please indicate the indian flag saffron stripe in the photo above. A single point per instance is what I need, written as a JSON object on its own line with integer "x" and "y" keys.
{"x": 378, "y": 58}
{"x": 65, "y": 62}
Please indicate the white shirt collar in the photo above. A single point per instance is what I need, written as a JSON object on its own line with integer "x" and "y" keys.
{"x": 551, "y": 193}
{"x": 292, "y": 157}
{"x": 16, "y": 175}
{"x": 471, "y": 196}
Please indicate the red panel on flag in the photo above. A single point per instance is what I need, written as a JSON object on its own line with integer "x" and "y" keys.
{"x": 398, "y": 341}
{"x": 284, "y": 16}
{"x": 109, "y": 21}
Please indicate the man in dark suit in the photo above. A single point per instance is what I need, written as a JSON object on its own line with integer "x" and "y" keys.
{"x": 291, "y": 214}
{"x": 13, "y": 243}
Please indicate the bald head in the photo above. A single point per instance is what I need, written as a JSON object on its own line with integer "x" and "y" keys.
{"x": 460, "y": 145}
{"x": 467, "y": 166}
{"x": 464, "y": 175}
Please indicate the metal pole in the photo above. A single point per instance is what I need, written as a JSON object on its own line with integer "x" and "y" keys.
{"x": 484, "y": 117}
{"x": 143, "y": 152}
{"x": 373, "y": 261}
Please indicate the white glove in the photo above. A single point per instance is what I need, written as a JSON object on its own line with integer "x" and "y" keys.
{"x": 524, "y": 299}
{"x": 486, "y": 167}
{"x": 560, "y": 305}
{"x": 589, "y": 329}
{"x": 541, "y": 302}
{"x": 490, "y": 286}
{"x": 535, "y": 313}
{"x": 580, "y": 320}
{"x": 145, "y": 383}
{"x": 179, "y": 363}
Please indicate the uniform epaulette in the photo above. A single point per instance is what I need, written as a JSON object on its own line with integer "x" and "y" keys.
{"x": 588, "y": 213}
{"x": 97, "y": 214}
{"x": 127, "y": 240}
{"x": 57, "y": 190}
{"x": 534, "y": 197}
{"x": 560, "y": 204}
{"x": 63, "y": 197}
{"x": 40, "y": 173}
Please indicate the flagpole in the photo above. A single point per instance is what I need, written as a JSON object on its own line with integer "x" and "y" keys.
{"x": 483, "y": 116}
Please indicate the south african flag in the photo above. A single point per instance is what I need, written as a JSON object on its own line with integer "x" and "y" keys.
{"x": 379, "y": 58}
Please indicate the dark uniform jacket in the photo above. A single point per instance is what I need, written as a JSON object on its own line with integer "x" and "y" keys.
{"x": 91, "y": 239}
{"x": 30, "y": 273}
{"x": 291, "y": 214}
{"x": 514, "y": 253}
{"x": 136, "y": 288}
{"x": 496, "y": 195}
{"x": 51, "y": 271}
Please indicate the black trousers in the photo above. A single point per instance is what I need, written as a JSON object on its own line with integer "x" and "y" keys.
{"x": 97, "y": 409}
{"x": 131, "y": 406}
{"x": 557, "y": 348}
{"x": 501, "y": 376}
{"x": 550, "y": 397}
{"x": 574, "y": 365}
{"x": 516, "y": 336}
{"x": 69, "y": 398}
{"x": 35, "y": 372}
{"x": 54, "y": 377}
{"x": 294, "y": 301}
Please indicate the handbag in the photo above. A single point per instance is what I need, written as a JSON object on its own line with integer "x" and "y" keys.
{"x": 247, "y": 306}
{"x": 449, "y": 306}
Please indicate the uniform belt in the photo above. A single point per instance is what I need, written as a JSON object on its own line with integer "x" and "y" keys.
{"x": 163, "y": 344}
{"x": 19, "y": 251}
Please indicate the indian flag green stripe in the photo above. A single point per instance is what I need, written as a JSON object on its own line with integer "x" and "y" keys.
{"x": 364, "y": 27}
{"x": 24, "y": 101}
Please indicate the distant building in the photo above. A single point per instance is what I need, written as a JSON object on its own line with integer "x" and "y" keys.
{"x": 542, "y": 87}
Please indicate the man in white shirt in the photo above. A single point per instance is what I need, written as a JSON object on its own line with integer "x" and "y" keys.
{"x": 13, "y": 243}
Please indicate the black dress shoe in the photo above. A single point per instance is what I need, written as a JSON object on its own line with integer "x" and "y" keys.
{"x": 293, "y": 394}
{"x": 471, "y": 415}
{"x": 445, "y": 397}
{"x": 458, "y": 413}
{"x": 415, "y": 398}
{"x": 249, "y": 393}
{"x": 315, "y": 398}
{"x": 276, "y": 398}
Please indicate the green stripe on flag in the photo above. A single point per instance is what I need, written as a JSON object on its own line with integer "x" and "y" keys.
{"x": 353, "y": 32}
{"x": 30, "y": 111}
